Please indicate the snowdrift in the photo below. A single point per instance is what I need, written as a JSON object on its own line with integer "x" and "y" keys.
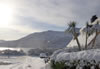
{"x": 85, "y": 55}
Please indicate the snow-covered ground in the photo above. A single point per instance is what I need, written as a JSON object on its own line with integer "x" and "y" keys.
{"x": 24, "y": 62}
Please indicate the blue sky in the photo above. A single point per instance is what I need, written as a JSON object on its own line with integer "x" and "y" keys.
{"x": 31, "y": 16}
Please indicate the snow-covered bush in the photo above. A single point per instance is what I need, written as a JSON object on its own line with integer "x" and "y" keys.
{"x": 58, "y": 65}
{"x": 86, "y": 58}
{"x": 86, "y": 55}
{"x": 75, "y": 64}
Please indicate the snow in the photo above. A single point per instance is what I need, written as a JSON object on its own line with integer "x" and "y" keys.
{"x": 86, "y": 55}
{"x": 82, "y": 39}
{"x": 24, "y": 62}
{"x": 42, "y": 39}
{"x": 71, "y": 53}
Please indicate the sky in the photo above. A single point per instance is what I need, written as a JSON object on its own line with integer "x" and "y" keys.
{"x": 19, "y": 18}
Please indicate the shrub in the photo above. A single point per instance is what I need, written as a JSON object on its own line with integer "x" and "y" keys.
{"x": 58, "y": 65}
{"x": 75, "y": 64}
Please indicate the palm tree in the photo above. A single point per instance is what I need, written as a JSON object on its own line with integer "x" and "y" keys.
{"x": 72, "y": 29}
{"x": 96, "y": 28}
{"x": 86, "y": 35}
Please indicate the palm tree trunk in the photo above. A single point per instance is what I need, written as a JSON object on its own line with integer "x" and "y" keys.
{"x": 79, "y": 46}
{"x": 93, "y": 44}
{"x": 86, "y": 40}
{"x": 91, "y": 41}
{"x": 75, "y": 35}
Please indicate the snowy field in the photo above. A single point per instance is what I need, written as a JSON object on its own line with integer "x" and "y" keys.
{"x": 24, "y": 62}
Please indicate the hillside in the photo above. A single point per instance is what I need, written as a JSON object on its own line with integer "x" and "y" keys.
{"x": 46, "y": 39}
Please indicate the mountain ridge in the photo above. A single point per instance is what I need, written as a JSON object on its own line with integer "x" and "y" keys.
{"x": 45, "y": 39}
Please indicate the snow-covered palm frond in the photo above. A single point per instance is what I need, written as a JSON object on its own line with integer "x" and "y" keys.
{"x": 72, "y": 24}
{"x": 96, "y": 26}
{"x": 86, "y": 29}
{"x": 91, "y": 29}
{"x": 71, "y": 27}
{"x": 69, "y": 30}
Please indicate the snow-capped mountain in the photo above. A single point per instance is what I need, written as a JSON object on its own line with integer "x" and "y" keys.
{"x": 46, "y": 39}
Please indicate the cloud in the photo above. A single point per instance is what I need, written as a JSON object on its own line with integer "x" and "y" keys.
{"x": 39, "y": 15}
{"x": 10, "y": 34}
{"x": 47, "y": 11}
{"x": 59, "y": 12}
{"x": 34, "y": 24}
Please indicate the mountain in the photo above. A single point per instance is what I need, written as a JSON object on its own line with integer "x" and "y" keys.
{"x": 46, "y": 39}
{"x": 1, "y": 41}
